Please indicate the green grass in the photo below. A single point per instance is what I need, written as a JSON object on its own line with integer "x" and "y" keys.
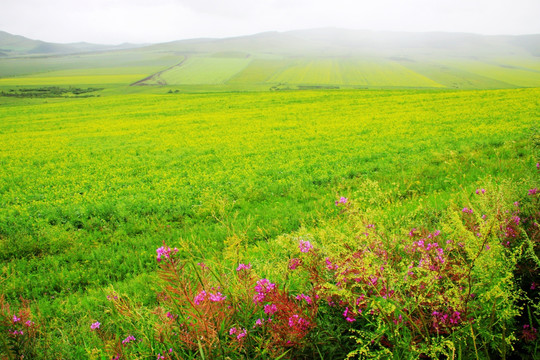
{"x": 519, "y": 77}
{"x": 375, "y": 73}
{"x": 196, "y": 71}
{"x": 10, "y": 67}
{"x": 90, "y": 188}
{"x": 72, "y": 79}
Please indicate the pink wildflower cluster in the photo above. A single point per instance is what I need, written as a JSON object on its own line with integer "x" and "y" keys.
{"x": 171, "y": 316}
{"x": 480, "y": 191}
{"x": 533, "y": 191}
{"x": 423, "y": 247}
{"x": 298, "y": 323}
{"x": 214, "y": 297}
{"x": 16, "y": 320}
{"x": 259, "y": 323}
{"x": 161, "y": 357}
{"x": 529, "y": 333}
{"x": 294, "y": 263}
{"x": 263, "y": 288}
{"x": 270, "y": 309}
{"x": 329, "y": 265}
{"x": 349, "y": 315}
{"x": 243, "y": 267}
{"x": 165, "y": 251}
{"x": 304, "y": 297}
{"x": 95, "y": 326}
{"x": 342, "y": 200}
{"x": 467, "y": 210}
{"x": 442, "y": 320}
{"x": 305, "y": 246}
{"x": 239, "y": 333}
{"x": 129, "y": 339}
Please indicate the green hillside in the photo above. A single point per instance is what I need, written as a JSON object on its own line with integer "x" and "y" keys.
{"x": 290, "y": 60}
{"x": 16, "y": 45}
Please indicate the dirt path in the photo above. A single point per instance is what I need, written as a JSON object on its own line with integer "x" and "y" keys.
{"x": 157, "y": 76}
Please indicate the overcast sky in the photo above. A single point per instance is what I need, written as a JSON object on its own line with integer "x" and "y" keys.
{"x": 146, "y": 21}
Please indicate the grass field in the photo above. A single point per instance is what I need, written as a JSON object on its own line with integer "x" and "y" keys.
{"x": 212, "y": 70}
{"x": 367, "y": 72}
{"x": 312, "y": 194}
{"x": 90, "y": 188}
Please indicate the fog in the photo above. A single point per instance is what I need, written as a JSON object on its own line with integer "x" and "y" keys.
{"x": 151, "y": 21}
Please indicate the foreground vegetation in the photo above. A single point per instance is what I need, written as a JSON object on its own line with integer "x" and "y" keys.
{"x": 318, "y": 192}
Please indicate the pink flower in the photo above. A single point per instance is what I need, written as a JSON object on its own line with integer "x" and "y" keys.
{"x": 294, "y": 263}
{"x": 270, "y": 309}
{"x": 529, "y": 333}
{"x": 305, "y": 246}
{"x": 129, "y": 339}
{"x": 16, "y": 319}
{"x": 263, "y": 287}
{"x": 241, "y": 334}
{"x": 304, "y": 297}
{"x": 346, "y": 315}
{"x": 342, "y": 200}
{"x": 171, "y": 316}
{"x": 217, "y": 297}
{"x": 165, "y": 251}
{"x": 232, "y": 331}
{"x": 243, "y": 267}
{"x": 95, "y": 326}
{"x": 329, "y": 264}
{"x": 200, "y": 297}
{"x": 297, "y": 322}
{"x": 533, "y": 191}
{"x": 258, "y": 323}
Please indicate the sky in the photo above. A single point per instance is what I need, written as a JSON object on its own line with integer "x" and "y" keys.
{"x": 153, "y": 21}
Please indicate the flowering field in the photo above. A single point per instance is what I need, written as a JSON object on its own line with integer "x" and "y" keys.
{"x": 307, "y": 224}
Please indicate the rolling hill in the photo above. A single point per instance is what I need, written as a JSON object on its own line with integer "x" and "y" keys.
{"x": 330, "y": 58}
{"x": 16, "y": 45}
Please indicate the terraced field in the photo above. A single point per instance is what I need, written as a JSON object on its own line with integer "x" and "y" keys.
{"x": 200, "y": 71}
{"x": 347, "y": 72}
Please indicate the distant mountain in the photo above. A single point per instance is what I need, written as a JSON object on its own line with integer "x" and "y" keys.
{"x": 16, "y": 45}
{"x": 343, "y": 42}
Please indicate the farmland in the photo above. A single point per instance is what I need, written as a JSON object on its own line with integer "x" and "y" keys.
{"x": 91, "y": 187}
